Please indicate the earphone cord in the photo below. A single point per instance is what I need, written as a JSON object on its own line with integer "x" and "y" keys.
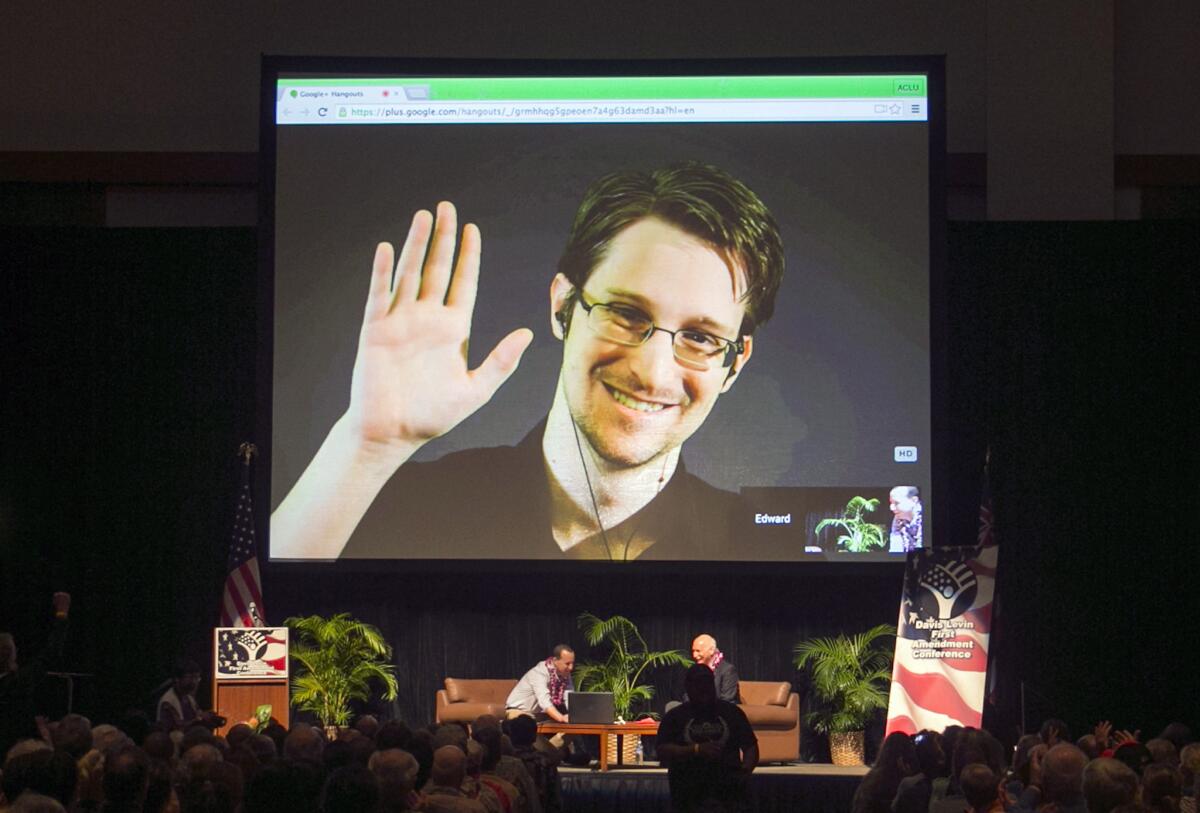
{"x": 588, "y": 479}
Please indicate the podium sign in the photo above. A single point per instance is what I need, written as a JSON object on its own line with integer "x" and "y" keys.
{"x": 942, "y": 639}
{"x": 250, "y": 669}
{"x": 250, "y": 653}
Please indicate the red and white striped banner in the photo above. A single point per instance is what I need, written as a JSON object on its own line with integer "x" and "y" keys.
{"x": 940, "y": 668}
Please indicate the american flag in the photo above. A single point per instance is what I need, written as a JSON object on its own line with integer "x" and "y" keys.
{"x": 241, "y": 601}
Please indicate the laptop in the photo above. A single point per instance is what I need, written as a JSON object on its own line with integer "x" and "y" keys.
{"x": 590, "y": 707}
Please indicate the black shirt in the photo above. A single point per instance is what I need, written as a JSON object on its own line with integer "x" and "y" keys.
{"x": 494, "y": 503}
{"x": 694, "y": 779}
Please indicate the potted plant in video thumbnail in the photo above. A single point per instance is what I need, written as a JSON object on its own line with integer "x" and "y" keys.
{"x": 858, "y": 535}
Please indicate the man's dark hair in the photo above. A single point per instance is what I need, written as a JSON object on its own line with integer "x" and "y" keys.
{"x": 350, "y": 789}
{"x": 126, "y": 777}
{"x": 980, "y": 785}
{"x": 490, "y": 740}
{"x": 522, "y": 730}
{"x": 1135, "y": 755}
{"x": 393, "y": 734}
{"x": 930, "y": 757}
{"x": 559, "y": 649}
{"x": 706, "y": 202}
{"x": 976, "y": 745}
{"x": 1107, "y": 784}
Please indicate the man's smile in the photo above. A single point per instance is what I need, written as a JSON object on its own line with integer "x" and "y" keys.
{"x": 635, "y": 403}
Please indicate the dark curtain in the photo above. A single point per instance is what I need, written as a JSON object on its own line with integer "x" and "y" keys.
{"x": 129, "y": 381}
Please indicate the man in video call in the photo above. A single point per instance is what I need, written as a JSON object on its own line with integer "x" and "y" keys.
{"x": 664, "y": 279}
{"x": 907, "y": 533}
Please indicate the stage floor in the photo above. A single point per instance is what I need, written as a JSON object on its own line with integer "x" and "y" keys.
{"x": 793, "y": 788}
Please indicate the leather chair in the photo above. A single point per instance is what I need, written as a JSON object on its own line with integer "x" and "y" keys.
{"x": 463, "y": 700}
{"x": 773, "y": 710}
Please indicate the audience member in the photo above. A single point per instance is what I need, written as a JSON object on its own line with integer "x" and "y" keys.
{"x": 393, "y": 734}
{"x": 396, "y": 771}
{"x": 1108, "y": 784}
{"x": 17, "y": 683}
{"x": 444, "y": 793}
{"x": 1164, "y": 751}
{"x": 915, "y": 791}
{"x": 281, "y": 787}
{"x": 981, "y": 789}
{"x": 350, "y": 789}
{"x": 896, "y": 760}
{"x": 304, "y": 744}
{"x": 1054, "y": 731}
{"x": 367, "y": 725}
{"x": 512, "y": 798}
{"x": 126, "y": 779}
{"x": 1162, "y": 787}
{"x": 1189, "y": 769}
{"x": 508, "y": 767}
{"x": 541, "y": 765}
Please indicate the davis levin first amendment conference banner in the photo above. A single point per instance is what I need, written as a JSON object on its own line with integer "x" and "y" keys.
{"x": 940, "y": 668}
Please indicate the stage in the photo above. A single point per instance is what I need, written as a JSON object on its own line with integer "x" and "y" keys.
{"x": 795, "y": 788}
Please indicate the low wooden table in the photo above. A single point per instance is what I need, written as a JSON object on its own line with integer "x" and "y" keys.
{"x": 601, "y": 730}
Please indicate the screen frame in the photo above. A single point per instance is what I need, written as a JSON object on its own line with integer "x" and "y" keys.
{"x": 932, "y": 66}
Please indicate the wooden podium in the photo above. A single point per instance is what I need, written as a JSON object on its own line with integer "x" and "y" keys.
{"x": 250, "y": 668}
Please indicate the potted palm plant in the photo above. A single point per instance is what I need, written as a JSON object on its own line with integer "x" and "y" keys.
{"x": 858, "y": 535}
{"x": 621, "y": 672}
{"x": 336, "y": 659}
{"x": 850, "y": 680}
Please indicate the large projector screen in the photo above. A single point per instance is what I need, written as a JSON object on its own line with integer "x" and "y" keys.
{"x": 697, "y": 303}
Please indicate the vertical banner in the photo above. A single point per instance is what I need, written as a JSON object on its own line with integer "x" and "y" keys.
{"x": 940, "y": 668}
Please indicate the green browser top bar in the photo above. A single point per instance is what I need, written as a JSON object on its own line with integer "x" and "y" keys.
{"x": 537, "y": 88}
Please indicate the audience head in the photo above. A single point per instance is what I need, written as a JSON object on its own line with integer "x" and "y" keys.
{"x": 73, "y": 734}
{"x": 393, "y": 734}
{"x": 1178, "y": 734}
{"x": 126, "y": 777}
{"x": 396, "y": 771}
{"x": 33, "y": 802}
{"x": 1162, "y": 787}
{"x": 197, "y": 762}
{"x": 304, "y": 744}
{"x": 1054, "y": 731}
{"x": 976, "y": 745}
{"x": 350, "y": 789}
{"x": 980, "y": 786}
{"x": 159, "y": 745}
{"x": 1163, "y": 751}
{"x": 105, "y": 737}
{"x": 1107, "y": 784}
{"x": 485, "y": 721}
{"x": 522, "y": 730}
{"x": 238, "y": 734}
{"x": 898, "y": 755}
{"x": 1062, "y": 774}
{"x": 931, "y": 759}
{"x": 263, "y": 748}
{"x": 454, "y": 735}
{"x": 449, "y": 766}
{"x": 1135, "y": 755}
{"x": 490, "y": 740}
{"x": 49, "y": 773}
{"x": 367, "y": 725}
{"x": 474, "y": 758}
{"x": 1021, "y": 756}
{"x": 196, "y": 735}
{"x": 700, "y": 685}
{"x": 1089, "y": 745}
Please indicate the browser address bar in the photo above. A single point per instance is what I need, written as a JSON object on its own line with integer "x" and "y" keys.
{"x": 858, "y": 109}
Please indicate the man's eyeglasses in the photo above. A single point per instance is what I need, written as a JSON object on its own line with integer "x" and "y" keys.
{"x": 625, "y": 324}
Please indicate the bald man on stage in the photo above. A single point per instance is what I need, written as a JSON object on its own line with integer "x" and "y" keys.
{"x": 704, "y": 651}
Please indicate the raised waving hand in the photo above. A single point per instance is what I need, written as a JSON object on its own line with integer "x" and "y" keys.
{"x": 410, "y": 384}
